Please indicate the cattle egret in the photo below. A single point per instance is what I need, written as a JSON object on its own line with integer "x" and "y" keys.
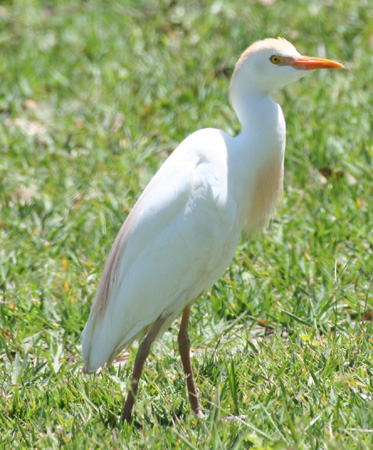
{"x": 183, "y": 231}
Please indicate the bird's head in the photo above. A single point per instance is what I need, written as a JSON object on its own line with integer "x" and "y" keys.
{"x": 272, "y": 64}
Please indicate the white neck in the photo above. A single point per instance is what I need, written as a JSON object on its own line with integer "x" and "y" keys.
{"x": 255, "y": 109}
{"x": 261, "y": 147}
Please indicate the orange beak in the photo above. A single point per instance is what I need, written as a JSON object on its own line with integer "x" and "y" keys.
{"x": 312, "y": 63}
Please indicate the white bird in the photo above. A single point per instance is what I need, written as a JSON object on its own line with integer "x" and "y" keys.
{"x": 183, "y": 231}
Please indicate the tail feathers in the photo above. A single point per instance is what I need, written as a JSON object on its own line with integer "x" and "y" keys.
{"x": 97, "y": 346}
{"x": 100, "y": 346}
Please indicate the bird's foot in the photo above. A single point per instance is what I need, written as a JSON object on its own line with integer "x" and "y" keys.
{"x": 199, "y": 414}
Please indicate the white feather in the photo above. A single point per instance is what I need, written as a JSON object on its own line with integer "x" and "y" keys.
{"x": 176, "y": 249}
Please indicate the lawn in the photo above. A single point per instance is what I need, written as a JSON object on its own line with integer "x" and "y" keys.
{"x": 94, "y": 95}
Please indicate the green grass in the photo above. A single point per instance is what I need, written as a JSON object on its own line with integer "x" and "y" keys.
{"x": 93, "y": 97}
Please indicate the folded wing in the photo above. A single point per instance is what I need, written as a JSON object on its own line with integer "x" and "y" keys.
{"x": 173, "y": 246}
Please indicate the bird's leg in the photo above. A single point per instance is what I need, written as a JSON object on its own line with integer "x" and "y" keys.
{"x": 184, "y": 348}
{"x": 141, "y": 356}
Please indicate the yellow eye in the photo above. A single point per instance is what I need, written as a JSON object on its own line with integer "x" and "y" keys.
{"x": 275, "y": 59}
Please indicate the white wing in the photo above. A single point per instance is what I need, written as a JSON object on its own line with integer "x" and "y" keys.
{"x": 174, "y": 245}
